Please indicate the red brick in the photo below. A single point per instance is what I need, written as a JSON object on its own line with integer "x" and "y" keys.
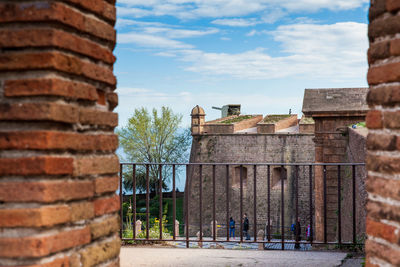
{"x": 56, "y": 12}
{"x": 395, "y": 47}
{"x": 107, "y": 226}
{"x": 384, "y": 187}
{"x": 41, "y": 165}
{"x": 48, "y": 37}
{"x": 106, "y": 184}
{"x": 386, "y": 253}
{"x": 384, "y": 231}
{"x": 81, "y": 211}
{"x": 51, "y": 140}
{"x": 381, "y": 142}
{"x": 106, "y": 205}
{"x": 384, "y": 26}
{"x": 376, "y": 9}
{"x": 382, "y": 211}
{"x": 100, "y": 7}
{"x": 39, "y": 217}
{"x": 378, "y": 51}
{"x": 385, "y": 73}
{"x": 384, "y": 95}
{"x": 374, "y": 119}
{"x": 97, "y": 117}
{"x": 384, "y": 164}
{"x": 42, "y": 111}
{"x": 43, "y": 245}
{"x": 96, "y": 165}
{"x": 112, "y": 99}
{"x": 45, "y": 191}
{"x": 392, "y": 119}
{"x": 102, "y": 97}
{"x": 392, "y": 5}
{"x": 56, "y": 61}
{"x": 50, "y": 87}
{"x": 100, "y": 252}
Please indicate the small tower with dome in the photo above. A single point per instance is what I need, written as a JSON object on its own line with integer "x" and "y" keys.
{"x": 198, "y": 120}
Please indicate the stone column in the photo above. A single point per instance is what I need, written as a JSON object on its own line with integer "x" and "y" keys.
{"x": 58, "y": 168}
{"x": 138, "y": 226}
{"x": 176, "y": 228}
{"x": 383, "y": 142}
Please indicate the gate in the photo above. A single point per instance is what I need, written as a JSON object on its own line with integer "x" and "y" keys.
{"x": 148, "y": 178}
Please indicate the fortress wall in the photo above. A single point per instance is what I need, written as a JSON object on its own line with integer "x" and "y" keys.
{"x": 252, "y": 148}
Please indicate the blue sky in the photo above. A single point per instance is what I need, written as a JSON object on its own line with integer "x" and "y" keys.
{"x": 258, "y": 53}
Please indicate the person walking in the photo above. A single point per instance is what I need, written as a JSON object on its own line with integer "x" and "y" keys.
{"x": 231, "y": 227}
{"x": 246, "y": 226}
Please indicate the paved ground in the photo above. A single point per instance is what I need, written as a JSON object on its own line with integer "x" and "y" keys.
{"x": 245, "y": 245}
{"x": 145, "y": 256}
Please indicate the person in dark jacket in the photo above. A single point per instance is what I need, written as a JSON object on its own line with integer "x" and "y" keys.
{"x": 297, "y": 232}
{"x": 246, "y": 226}
{"x": 231, "y": 227}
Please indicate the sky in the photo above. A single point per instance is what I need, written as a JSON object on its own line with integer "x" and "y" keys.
{"x": 261, "y": 54}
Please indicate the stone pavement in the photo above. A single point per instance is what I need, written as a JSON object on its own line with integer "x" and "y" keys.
{"x": 147, "y": 256}
{"x": 244, "y": 245}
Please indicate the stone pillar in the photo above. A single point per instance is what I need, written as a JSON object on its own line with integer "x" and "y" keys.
{"x": 58, "y": 168}
{"x": 260, "y": 237}
{"x": 138, "y": 226}
{"x": 176, "y": 228}
{"x": 383, "y": 142}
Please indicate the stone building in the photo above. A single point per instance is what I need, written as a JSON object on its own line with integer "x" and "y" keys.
{"x": 257, "y": 139}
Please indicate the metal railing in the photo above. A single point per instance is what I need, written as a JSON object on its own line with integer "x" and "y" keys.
{"x": 268, "y": 238}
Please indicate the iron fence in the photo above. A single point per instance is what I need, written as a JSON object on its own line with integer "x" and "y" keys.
{"x": 269, "y": 236}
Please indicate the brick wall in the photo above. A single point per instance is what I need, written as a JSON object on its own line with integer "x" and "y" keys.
{"x": 58, "y": 169}
{"x": 383, "y": 143}
{"x": 356, "y": 152}
{"x": 330, "y": 147}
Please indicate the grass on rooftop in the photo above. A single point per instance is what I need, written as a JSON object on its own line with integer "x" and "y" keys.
{"x": 275, "y": 118}
{"x": 307, "y": 120}
{"x": 236, "y": 119}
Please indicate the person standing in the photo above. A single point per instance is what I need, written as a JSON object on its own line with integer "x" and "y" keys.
{"x": 246, "y": 226}
{"x": 231, "y": 227}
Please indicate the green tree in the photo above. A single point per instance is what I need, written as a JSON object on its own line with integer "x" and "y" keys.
{"x": 153, "y": 138}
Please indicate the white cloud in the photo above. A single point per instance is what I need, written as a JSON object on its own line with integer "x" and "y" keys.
{"x": 190, "y": 9}
{"x": 123, "y": 91}
{"x": 148, "y": 40}
{"x": 165, "y": 54}
{"x": 236, "y": 22}
{"x": 121, "y": 23}
{"x": 179, "y": 33}
{"x": 335, "y": 51}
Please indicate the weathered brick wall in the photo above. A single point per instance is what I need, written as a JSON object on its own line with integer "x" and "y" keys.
{"x": 330, "y": 147}
{"x": 252, "y": 148}
{"x": 383, "y": 143}
{"x": 356, "y": 152}
{"x": 58, "y": 169}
